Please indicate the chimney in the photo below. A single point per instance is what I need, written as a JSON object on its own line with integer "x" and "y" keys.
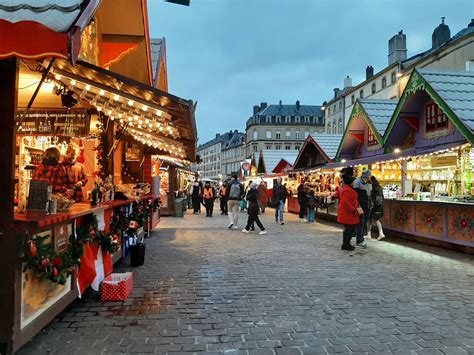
{"x": 336, "y": 92}
{"x": 397, "y": 48}
{"x": 440, "y": 34}
{"x": 369, "y": 72}
{"x": 218, "y": 135}
{"x": 256, "y": 108}
{"x": 471, "y": 24}
{"x": 263, "y": 105}
{"x": 297, "y": 105}
{"x": 347, "y": 82}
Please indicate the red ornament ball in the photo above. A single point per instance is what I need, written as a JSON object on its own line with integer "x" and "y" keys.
{"x": 32, "y": 249}
{"x": 57, "y": 262}
{"x": 464, "y": 223}
{"x": 45, "y": 263}
{"x": 55, "y": 272}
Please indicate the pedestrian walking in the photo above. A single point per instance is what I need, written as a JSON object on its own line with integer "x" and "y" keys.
{"x": 278, "y": 200}
{"x": 302, "y": 199}
{"x": 209, "y": 195}
{"x": 363, "y": 188}
{"x": 253, "y": 209}
{"x": 235, "y": 193}
{"x": 311, "y": 204}
{"x": 262, "y": 196}
{"x": 223, "y": 198}
{"x": 196, "y": 195}
{"x": 377, "y": 208}
{"x": 348, "y": 213}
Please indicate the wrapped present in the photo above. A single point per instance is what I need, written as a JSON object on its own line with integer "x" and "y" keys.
{"x": 117, "y": 287}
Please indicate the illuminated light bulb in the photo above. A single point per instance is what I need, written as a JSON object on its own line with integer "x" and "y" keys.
{"x": 73, "y": 82}
{"x": 112, "y": 118}
{"x": 130, "y": 103}
{"x": 397, "y": 150}
{"x": 99, "y": 108}
{"x": 120, "y": 115}
{"x": 150, "y": 126}
{"x": 147, "y": 121}
{"x": 101, "y": 92}
{"x": 161, "y": 128}
{"x": 121, "y": 120}
{"x": 145, "y": 108}
{"x": 57, "y": 77}
{"x": 140, "y": 122}
{"x": 109, "y": 112}
{"x": 135, "y": 117}
{"x": 130, "y": 119}
{"x": 116, "y": 97}
{"x": 157, "y": 125}
{"x": 159, "y": 113}
{"x": 88, "y": 87}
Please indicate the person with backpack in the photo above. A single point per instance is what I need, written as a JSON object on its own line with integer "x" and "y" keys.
{"x": 278, "y": 200}
{"x": 253, "y": 209}
{"x": 209, "y": 195}
{"x": 377, "y": 208}
{"x": 235, "y": 193}
{"x": 311, "y": 204}
{"x": 223, "y": 198}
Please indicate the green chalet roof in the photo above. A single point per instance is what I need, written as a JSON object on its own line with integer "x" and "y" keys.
{"x": 453, "y": 91}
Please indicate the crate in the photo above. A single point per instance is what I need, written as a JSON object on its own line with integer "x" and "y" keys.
{"x": 117, "y": 287}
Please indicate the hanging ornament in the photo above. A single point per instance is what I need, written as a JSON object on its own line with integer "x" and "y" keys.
{"x": 57, "y": 262}
{"x": 45, "y": 263}
{"x": 32, "y": 248}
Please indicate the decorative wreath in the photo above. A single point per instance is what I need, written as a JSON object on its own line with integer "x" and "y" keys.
{"x": 430, "y": 219}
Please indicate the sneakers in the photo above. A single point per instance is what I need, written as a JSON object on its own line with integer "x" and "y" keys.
{"x": 362, "y": 245}
{"x": 230, "y": 225}
{"x": 282, "y": 223}
{"x": 368, "y": 236}
{"x": 263, "y": 232}
{"x": 245, "y": 231}
{"x": 235, "y": 227}
{"x": 381, "y": 236}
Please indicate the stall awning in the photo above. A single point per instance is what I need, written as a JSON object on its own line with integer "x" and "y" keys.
{"x": 163, "y": 122}
{"x": 46, "y": 29}
{"x": 372, "y": 160}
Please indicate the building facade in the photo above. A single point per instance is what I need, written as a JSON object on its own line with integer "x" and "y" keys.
{"x": 281, "y": 127}
{"x": 446, "y": 53}
{"x": 232, "y": 154}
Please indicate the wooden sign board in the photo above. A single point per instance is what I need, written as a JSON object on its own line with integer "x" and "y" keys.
{"x": 38, "y": 195}
{"x": 438, "y": 162}
{"x": 55, "y": 122}
{"x": 61, "y": 237}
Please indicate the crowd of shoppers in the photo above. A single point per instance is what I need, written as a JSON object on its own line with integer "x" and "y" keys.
{"x": 360, "y": 204}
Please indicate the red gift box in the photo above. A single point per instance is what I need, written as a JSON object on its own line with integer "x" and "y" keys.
{"x": 117, "y": 287}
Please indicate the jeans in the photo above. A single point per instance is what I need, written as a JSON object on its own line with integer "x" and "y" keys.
{"x": 311, "y": 214}
{"x": 279, "y": 210}
{"x": 233, "y": 210}
{"x": 223, "y": 202}
{"x": 209, "y": 203}
{"x": 361, "y": 228}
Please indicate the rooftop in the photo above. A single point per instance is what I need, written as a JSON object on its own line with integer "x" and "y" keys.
{"x": 156, "y": 47}
{"x": 291, "y": 110}
{"x": 379, "y": 112}
{"x": 272, "y": 157}
{"x": 329, "y": 143}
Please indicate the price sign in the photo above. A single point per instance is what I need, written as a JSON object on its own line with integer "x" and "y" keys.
{"x": 55, "y": 122}
{"x": 38, "y": 195}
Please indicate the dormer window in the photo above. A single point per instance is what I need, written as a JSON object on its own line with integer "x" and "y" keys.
{"x": 435, "y": 118}
{"x": 297, "y": 119}
{"x": 306, "y": 119}
{"x": 288, "y": 119}
{"x": 278, "y": 119}
{"x": 269, "y": 119}
{"x": 371, "y": 138}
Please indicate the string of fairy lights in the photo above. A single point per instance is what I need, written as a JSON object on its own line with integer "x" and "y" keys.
{"x": 146, "y": 123}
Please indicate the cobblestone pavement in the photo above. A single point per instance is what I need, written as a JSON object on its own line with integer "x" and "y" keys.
{"x": 207, "y": 289}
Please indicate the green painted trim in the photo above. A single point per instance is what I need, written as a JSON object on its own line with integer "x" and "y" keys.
{"x": 416, "y": 83}
{"x": 357, "y": 111}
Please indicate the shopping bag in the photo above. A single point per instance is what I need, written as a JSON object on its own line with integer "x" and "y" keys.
{"x": 117, "y": 287}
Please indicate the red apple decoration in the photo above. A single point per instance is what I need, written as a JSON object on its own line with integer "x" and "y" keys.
{"x": 32, "y": 249}
{"x": 45, "y": 263}
{"x": 55, "y": 272}
{"x": 57, "y": 262}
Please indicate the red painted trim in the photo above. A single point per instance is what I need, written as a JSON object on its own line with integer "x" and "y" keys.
{"x": 31, "y": 40}
{"x": 147, "y": 41}
{"x": 358, "y": 137}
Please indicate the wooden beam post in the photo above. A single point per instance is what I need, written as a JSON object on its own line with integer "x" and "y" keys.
{"x": 9, "y": 257}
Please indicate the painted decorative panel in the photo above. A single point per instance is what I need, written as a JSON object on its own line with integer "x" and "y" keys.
{"x": 402, "y": 217}
{"x": 461, "y": 224}
{"x": 430, "y": 220}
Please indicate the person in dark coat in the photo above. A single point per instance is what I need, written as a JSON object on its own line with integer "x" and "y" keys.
{"x": 377, "y": 208}
{"x": 196, "y": 195}
{"x": 278, "y": 200}
{"x": 262, "y": 196}
{"x": 363, "y": 188}
{"x": 311, "y": 204}
{"x": 302, "y": 199}
{"x": 348, "y": 211}
{"x": 209, "y": 195}
{"x": 253, "y": 209}
{"x": 223, "y": 198}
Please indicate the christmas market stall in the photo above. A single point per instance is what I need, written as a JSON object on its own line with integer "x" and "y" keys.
{"x": 76, "y": 145}
{"x": 432, "y": 131}
{"x": 309, "y": 168}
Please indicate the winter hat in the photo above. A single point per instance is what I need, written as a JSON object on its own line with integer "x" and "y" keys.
{"x": 366, "y": 174}
{"x": 253, "y": 185}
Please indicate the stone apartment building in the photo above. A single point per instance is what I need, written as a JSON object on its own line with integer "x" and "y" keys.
{"x": 211, "y": 155}
{"x": 281, "y": 127}
{"x": 232, "y": 154}
{"x": 446, "y": 52}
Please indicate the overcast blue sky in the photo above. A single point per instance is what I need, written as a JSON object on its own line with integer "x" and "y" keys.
{"x": 232, "y": 54}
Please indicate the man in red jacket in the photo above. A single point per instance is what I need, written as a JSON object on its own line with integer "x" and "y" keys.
{"x": 348, "y": 211}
